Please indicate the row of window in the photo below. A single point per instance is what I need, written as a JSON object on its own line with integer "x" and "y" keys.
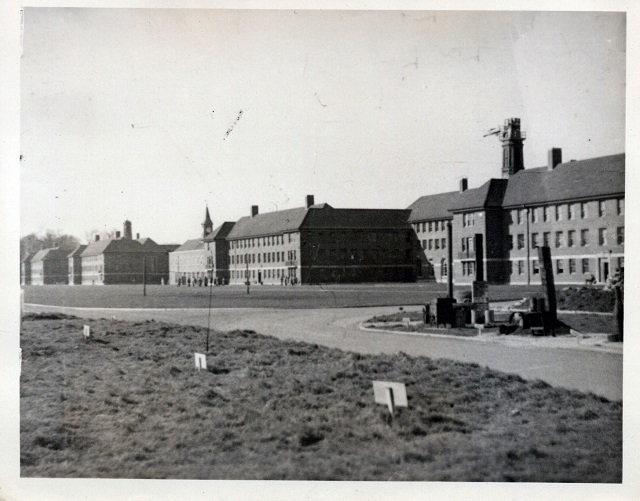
{"x": 434, "y": 243}
{"x": 265, "y": 257}
{"x": 569, "y": 211}
{"x": 267, "y": 273}
{"x": 430, "y": 226}
{"x": 255, "y": 242}
{"x": 571, "y": 241}
{"x": 559, "y": 266}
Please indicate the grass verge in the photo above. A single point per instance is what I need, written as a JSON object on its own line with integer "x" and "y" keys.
{"x": 129, "y": 403}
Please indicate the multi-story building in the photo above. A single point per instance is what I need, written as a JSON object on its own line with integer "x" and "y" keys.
{"x": 576, "y": 208}
{"x": 75, "y": 265}
{"x": 49, "y": 266}
{"x": 123, "y": 260}
{"x": 187, "y": 263}
{"x": 320, "y": 244}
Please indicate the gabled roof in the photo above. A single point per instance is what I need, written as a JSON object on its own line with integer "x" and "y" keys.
{"x": 585, "y": 179}
{"x": 77, "y": 251}
{"x": 49, "y": 254}
{"x": 432, "y": 206}
{"x": 221, "y": 232}
{"x": 269, "y": 223}
{"x": 355, "y": 218}
{"x": 191, "y": 245}
{"x": 169, "y": 247}
{"x": 489, "y": 195}
{"x": 96, "y": 248}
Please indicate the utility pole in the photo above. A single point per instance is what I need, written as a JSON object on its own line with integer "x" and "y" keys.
{"x": 246, "y": 260}
{"x": 144, "y": 275}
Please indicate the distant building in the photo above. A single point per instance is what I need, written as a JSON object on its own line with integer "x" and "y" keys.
{"x": 203, "y": 257}
{"x": 320, "y": 244}
{"x": 25, "y": 269}
{"x": 576, "y": 208}
{"x": 75, "y": 265}
{"x": 49, "y": 266}
{"x": 122, "y": 260}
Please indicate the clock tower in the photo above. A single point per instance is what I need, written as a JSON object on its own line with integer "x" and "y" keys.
{"x": 207, "y": 225}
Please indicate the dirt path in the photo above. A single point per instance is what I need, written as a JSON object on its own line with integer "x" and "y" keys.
{"x": 594, "y": 371}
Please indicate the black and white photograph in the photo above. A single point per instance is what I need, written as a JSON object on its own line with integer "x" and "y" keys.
{"x": 319, "y": 253}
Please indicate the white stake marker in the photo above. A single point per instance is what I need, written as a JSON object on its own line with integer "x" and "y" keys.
{"x": 86, "y": 331}
{"x": 201, "y": 361}
{"x": 390, "y": 394}
{"x": 406, "y": 321}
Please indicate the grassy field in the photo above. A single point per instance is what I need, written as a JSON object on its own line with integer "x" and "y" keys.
{"x": 128, "y": 403}
{"x": 334, "y": 296}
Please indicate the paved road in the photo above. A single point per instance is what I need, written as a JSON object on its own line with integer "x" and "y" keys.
{"x": 584, "y": 370}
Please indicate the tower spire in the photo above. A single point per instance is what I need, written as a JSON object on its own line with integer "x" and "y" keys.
{"x": 207, "y": 225}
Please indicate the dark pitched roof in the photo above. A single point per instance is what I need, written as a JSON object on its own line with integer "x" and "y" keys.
{"x": 489, "y": 195}
{"x": 77, "y": 251}
{"x": 432, "y": 206}
{"x": 112, "y": 245}
{"x": 221, "y": 232}
{"x": 169, "y": 247}
{"x": 356, "y": 218}
{"x": 191, "y": 245}
{"x": 584, "y": 179}
{"x": 48, "y": 254}
{"x": 268, "y": 223}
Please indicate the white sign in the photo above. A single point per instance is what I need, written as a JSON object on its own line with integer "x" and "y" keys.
{"x": 390, "y": 394}
{"x": 86, "y": 331}
{"x": 406, "y": 321}
{"x": 201, "y": 361}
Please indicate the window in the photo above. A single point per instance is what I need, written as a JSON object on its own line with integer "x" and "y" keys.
{"x": 620, "y": 206}
{"x": 621, "y": 263}
{"x": 585, "y": 265}
{"x": 534, "y": 240}
{"x": 443, "y": 243}
{"x": 424, "y": 227}
{"x": 545, "y": 214}
{"x": 534, "y": 215}
{"x": 519, "y": 216}
{"x": 424, "y": 244}
{"x": 558, "y": 213}
{"x": 559, "y": 267}
{"x": 602, "y": 210}
{"x": 436, "y": 243}
{"x": 602, "y": 236}
{"x": 536, "y": 267}
{"x": 620, "y": 235}
{"x": 520, "y": 267}
{"x": 520, "y": 240}
{"x": 430, "y": 227}
{"x": 572, "y": 211}
{"x": 572, "y": 266}
{"x": 444, "y": 269}
{"x": 467, "y": 220}
{"x": 468, "y": 268}
{"x": 583, "y": 210}
{"x": 571, "y": 236}
{"x": 464, "y": 244}
{"x": 584, "y": 238}
{"x": 559, "y": 239}
{"x": 546, "y": 239}
{"x": 510, "y": 242}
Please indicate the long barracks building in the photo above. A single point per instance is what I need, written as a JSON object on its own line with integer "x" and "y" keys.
{"x": 576, "y": 208}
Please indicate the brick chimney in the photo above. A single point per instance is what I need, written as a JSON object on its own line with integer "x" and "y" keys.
{"x": 117, "y": 234}
{"x": 97, "y": 238}
{"x": 254, "y": 210}
{"x": 127, "y": 230}
{"x": 555, "y": 158}
{"x": 310, "y": 201}
{"x": 137, "y": 236}
{"x": 464, "y": 184}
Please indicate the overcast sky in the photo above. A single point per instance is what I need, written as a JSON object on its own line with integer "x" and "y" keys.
{"x": 148, "y": 115}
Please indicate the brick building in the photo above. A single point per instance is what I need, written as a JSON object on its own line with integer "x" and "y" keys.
{"x": 576, "y": 208}
{"x": 75, "y": 265}
{"x": 123, "y": 260}
{"x": 320, "y": 244}
{"x": 216, "y": 247}
{"x": 49, "y": 266}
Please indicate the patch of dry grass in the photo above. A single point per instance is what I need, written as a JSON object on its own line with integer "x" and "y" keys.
{"x": 129, "y": 403}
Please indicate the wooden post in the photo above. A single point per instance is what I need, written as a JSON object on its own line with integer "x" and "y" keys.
{"x": 450, "y": 260}
{"x": 144, "y": 275}
{"x": 246, "y": 260}
{"x": 548, "y": 286}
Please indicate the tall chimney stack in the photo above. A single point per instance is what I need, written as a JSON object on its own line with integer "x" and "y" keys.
{"x": 254, "y": 210}
{"x": 97, "y": 238}
{"x": 137, "y": 236}
{"x": 464, "y": 184}
{"x": 127, "y": 230}
{"x": 310, "y": 201}
{"x": 117, "y": 234}
{"x": 555, "y": 157}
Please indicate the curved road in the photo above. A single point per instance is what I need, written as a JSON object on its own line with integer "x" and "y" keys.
{"x": 599, "y": 372}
